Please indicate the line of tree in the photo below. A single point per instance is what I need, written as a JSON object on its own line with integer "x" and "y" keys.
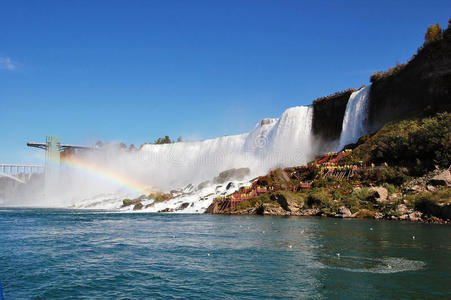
{"x": 162, "y": 140}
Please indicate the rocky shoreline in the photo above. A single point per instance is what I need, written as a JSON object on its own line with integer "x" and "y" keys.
{"x": 410, "y": 215}
{"x": 287, "y": 203}
{"x": 354, "y": 184}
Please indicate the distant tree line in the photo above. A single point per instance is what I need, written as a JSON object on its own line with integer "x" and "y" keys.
{"x": 162, "y": 140}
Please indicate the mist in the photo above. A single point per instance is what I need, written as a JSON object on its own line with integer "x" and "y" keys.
{"x": 106, "y": 172}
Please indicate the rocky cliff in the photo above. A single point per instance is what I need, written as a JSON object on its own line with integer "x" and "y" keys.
{"x": 328, "y": 116}
{"x": 420, "y": 87}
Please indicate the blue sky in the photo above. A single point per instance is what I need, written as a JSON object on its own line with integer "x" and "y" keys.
{"x": 132, "y": 71}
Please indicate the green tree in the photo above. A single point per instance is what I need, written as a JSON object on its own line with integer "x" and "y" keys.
{"x": 165, "y": 140}
{"x": 433, "y": 32}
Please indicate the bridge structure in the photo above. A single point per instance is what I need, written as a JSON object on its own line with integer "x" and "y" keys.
{"x": 53, "y": 148}
{"x": 20, "y": 172}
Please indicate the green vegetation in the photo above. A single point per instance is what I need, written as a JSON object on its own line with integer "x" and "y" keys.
{"x": 434, "y": 32}
{"x": 365, "y": 214}
{"x": 392, "y": 71}
{"x": 398, "y": 153}
{"x": 297, "y": 198}
{"x": 254, "y": 202}
{"x": 417, "y": 144}
{"x": 160, "y": 197}
{"x": 165, "y": 140}
{"x": 334, "y": 95}
{"x": 321, "y": 198}
{"x": 427, "y": 199}
{"x": 390, "y": 187}
{"x": 127, "y": 202}
{"x": 386, "y": 174}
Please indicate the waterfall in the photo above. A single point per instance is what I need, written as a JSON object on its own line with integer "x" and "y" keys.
{"x": 356, "y": 117}
{"x": 102, "y": 178}
{"x": 272, "y": 143}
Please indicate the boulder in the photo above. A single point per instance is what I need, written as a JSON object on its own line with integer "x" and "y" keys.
{"x": 343, "y": 212}
{"x": 182, "y": 206}
{"x": 138, "y": 206}
{"x": 167, "y": 209}
{"x": 230, "y": 185}
{"x": 402, "y": 209}
{"x": 404, "y": 217}
{"x": 431, "y": 188}
{"x": 416, "y": 188}
{"x": 232, "y": 174}
{"x": 271, "y": 209}
{"x": 378, "y": 215}
{"x": 279, "y": 198}
{"x": 381, "y": 193}
{"x": 415, "y": 216}
{"x": 129, "y": 202}
{"x": 442, "y": 179}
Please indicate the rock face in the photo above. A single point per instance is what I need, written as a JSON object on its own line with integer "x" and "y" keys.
{"x": 343, "y": 212}
{"x": 328, "y": 117}
{"x": 442, "y": 179}
{"x": 380, "y": 194}
{"x": 232, "y": 174}
{"x": 419, "y": 88}
{"x": 213, "y": 209}
{"x": 270, "y": 209}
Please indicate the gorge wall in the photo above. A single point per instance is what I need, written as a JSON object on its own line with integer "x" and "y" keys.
{"x": 328, "y": 117}
{"x": 419, "y": 88}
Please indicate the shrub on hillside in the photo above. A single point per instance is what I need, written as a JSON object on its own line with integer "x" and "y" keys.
{"x": 365, "y": 214}
{"x": 320, "y": 198}
{"x": 420, "y": 144}
{"x": 424, "y": 200}
{"x": 434, "y": 32}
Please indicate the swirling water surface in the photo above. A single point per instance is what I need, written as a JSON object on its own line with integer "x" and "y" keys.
{"x": 73, "y": 254}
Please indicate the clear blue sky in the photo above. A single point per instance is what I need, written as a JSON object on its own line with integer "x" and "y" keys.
{"x": 132, "y": 71}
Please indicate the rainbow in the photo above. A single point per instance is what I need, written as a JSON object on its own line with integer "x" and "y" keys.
{"x": 103, "y": 172}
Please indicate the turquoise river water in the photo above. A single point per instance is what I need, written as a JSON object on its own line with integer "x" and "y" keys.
{"x": 73, "y": 254}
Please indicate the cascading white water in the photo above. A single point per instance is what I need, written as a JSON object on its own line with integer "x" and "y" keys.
{"x": 103, "y": 180}
{"x": 355, "y": 118}
{"x": 272, "y": 143}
